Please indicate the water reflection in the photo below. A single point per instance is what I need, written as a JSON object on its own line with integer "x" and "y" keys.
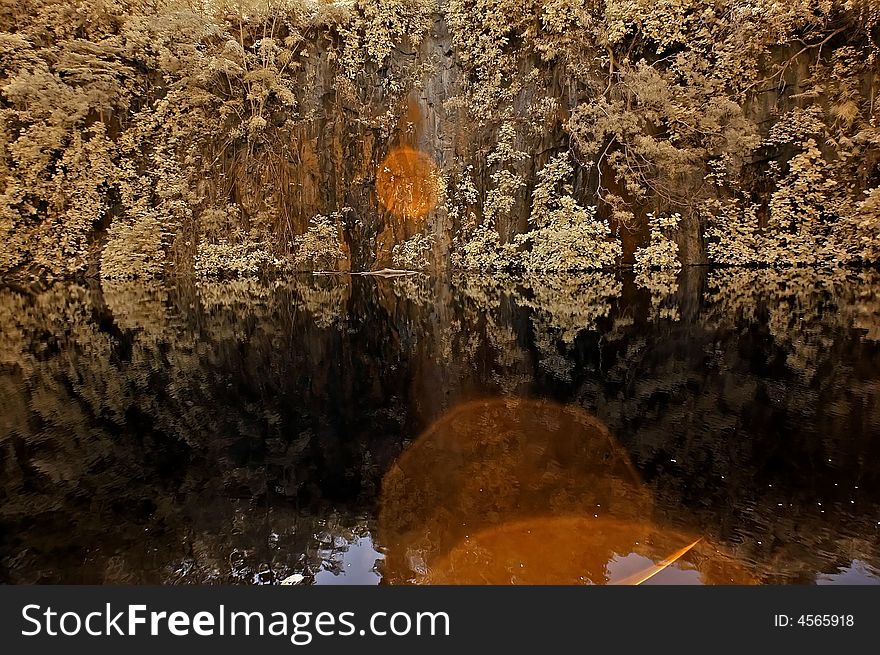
{"x": 856, "y": 573}
{"x": 578, "y": 550}
{"x": 227, "y": 430}
{"x": 356, "y": 562}
{"x": 519, "y": 491}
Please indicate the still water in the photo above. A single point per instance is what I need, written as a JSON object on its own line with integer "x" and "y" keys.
{"x": 710, "y": 427}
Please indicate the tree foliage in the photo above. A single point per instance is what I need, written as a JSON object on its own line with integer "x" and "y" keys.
{"x": 127, "y": 125}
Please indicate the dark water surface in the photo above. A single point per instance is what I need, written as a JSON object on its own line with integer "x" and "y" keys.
{"x": 723, "y": 426}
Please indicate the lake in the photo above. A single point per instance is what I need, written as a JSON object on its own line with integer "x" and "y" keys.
{"x": 715, "y": 426}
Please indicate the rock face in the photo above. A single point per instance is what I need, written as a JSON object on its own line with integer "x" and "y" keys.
{"x": 354, "y": 124}
{"x": 353, "y": 127}
{"x": 341, "y": 151}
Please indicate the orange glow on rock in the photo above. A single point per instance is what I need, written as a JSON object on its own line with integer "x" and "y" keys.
{"x": 408, "y": 183}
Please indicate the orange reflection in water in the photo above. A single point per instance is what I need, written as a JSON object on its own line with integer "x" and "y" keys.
{"x": 517, "y": 491}
{"x": 577, "y": 550}
{"x": 408, "y": 183}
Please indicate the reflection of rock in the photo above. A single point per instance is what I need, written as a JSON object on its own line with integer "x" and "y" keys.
{"x": 492, "y": 461}
{"x": 578, "y": 550}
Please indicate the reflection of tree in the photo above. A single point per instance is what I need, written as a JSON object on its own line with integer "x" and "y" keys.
{"x": 326, "y": 299}
{"x": 804, "y": 308}
{"x": 415, "y": 288}
{"x": 140, "y": 307}
{"x": 717, "y": 410}
{"x": 569, "y": 304}
{"x": 562, "y": 307}
{"x": 164, "y": 412}
{"x": 247, "y": 291}
{"x": 862, "y": 308}
{"x": 485, "y": 291}
{"x": 663, "y": 285}
{"x": 489, "y": 302}
{"x": 178, "y": 431}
